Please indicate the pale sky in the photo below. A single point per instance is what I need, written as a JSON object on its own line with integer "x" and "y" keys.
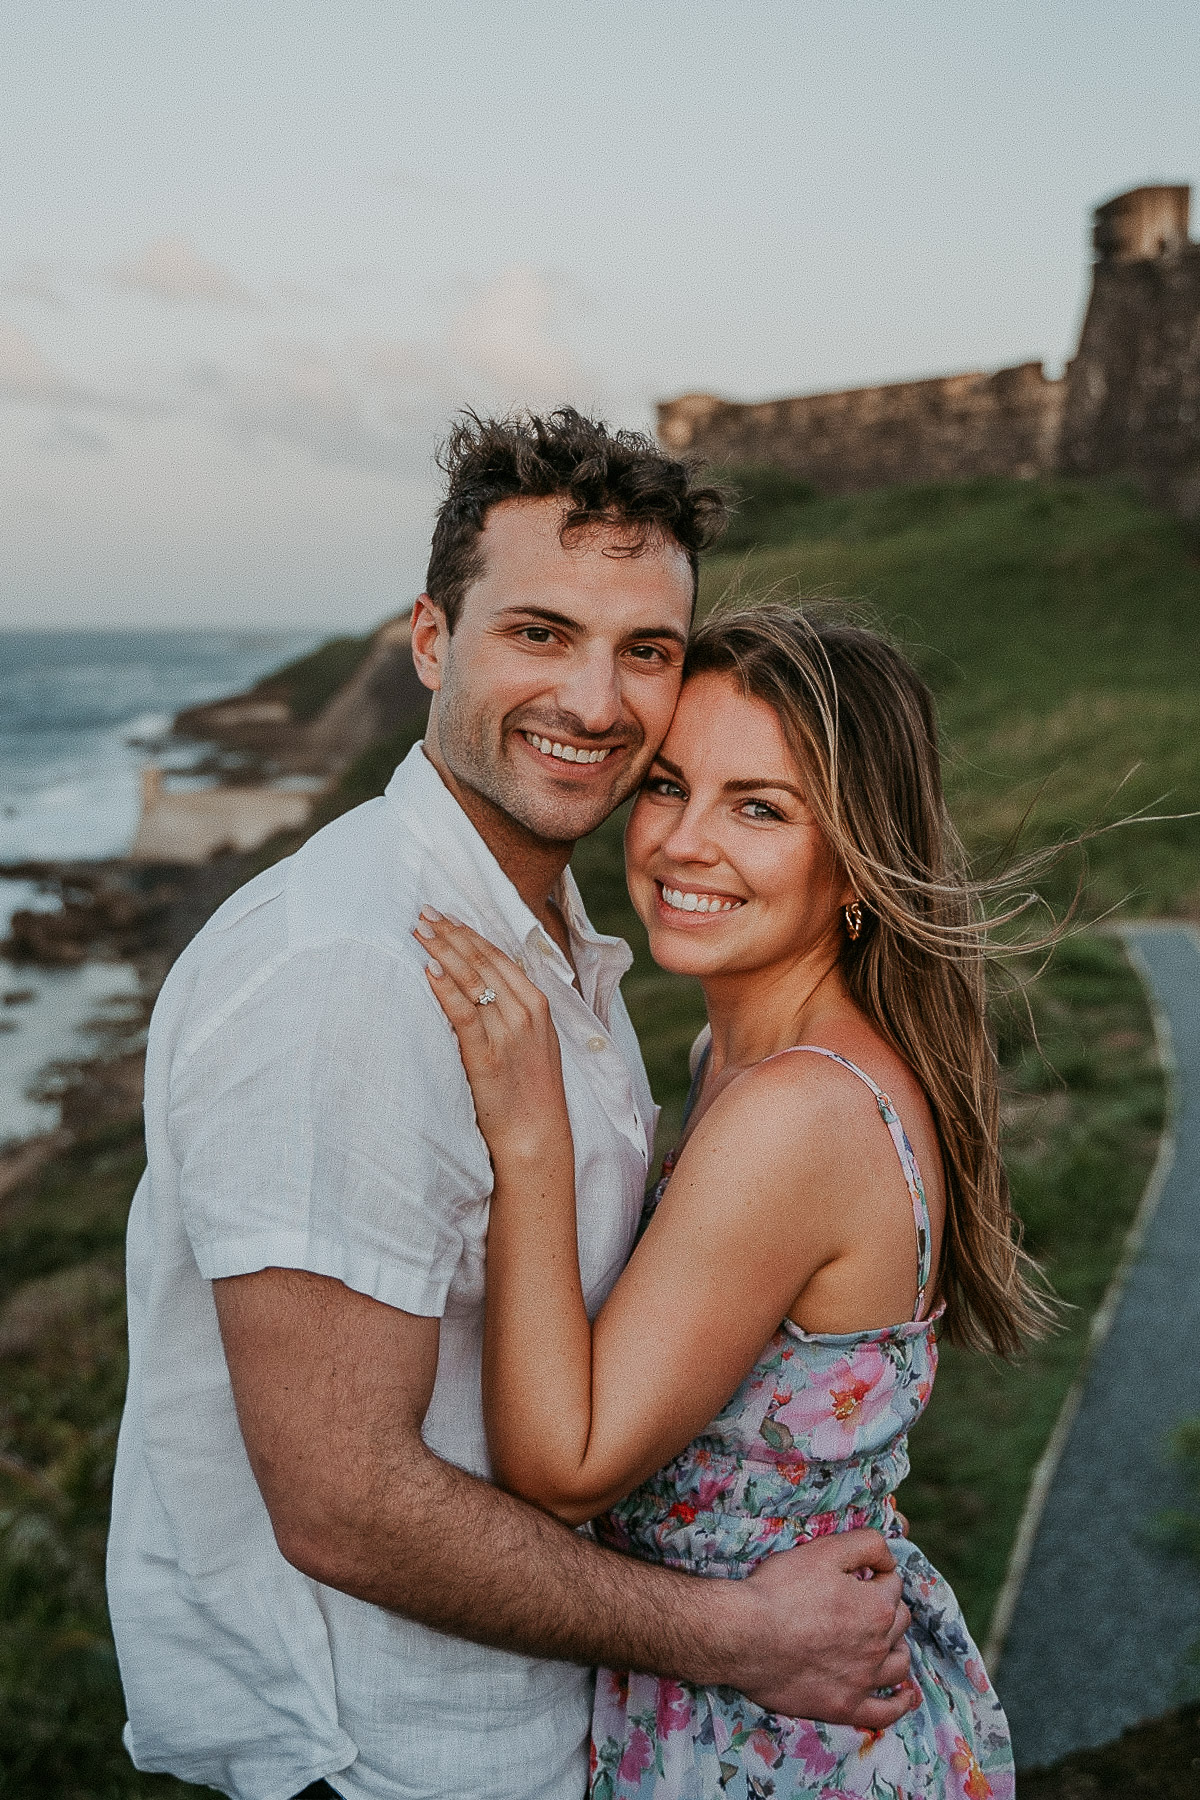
{"x": 254, "y": 253}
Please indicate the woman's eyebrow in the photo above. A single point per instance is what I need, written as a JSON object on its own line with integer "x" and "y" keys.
{"x": 732, "y": 787}
{"x": 763, "y": 781}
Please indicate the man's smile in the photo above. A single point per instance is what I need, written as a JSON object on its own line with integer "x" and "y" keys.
{"x": 563, "y": 751}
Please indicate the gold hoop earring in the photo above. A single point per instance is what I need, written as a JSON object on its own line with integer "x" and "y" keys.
{"x": 853, "y": 916}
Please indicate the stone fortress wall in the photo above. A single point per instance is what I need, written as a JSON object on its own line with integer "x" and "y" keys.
{"x": 1128, "y": 404}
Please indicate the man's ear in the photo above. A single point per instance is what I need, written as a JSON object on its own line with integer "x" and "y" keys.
{"x": 430, "y": 640}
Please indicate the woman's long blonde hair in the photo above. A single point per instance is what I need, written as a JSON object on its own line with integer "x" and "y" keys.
{"x": 862, "y": 726}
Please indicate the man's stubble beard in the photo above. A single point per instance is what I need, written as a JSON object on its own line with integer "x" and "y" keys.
{"x": 486, "y": 770}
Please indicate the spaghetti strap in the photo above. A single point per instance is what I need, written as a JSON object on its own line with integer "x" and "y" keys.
{"x": 904, "y": 1150}
{"x": 697, "y": 1081}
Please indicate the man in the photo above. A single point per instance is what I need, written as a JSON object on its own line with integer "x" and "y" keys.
{"x": 311, "y": 1578}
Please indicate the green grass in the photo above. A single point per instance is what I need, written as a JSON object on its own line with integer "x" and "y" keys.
{"x": 312, "y": 680}
{"x": 62, "y": 1382}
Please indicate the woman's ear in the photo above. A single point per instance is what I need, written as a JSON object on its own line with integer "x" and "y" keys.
{"x": 842, "y": 884}
{"x": 430, "y": 637}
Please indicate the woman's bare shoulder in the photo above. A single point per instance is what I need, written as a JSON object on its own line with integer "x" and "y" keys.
{"x": 809, "y": 1113}
{"x": 787, "y": 1111}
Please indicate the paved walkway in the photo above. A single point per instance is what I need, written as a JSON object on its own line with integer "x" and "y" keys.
{"x": 1103, "y": 1621}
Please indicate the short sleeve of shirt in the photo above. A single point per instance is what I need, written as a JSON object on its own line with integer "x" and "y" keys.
{"x": 321, "y": 1120}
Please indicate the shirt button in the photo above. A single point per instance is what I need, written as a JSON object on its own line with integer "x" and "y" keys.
{"x": 597, "y": 1043}
{"x": 545, "y": 946}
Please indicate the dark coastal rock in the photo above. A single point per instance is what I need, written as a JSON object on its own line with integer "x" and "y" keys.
{"x": 56, "y": 940}
{"x": 101, "y": 913}
{"x": 104, "y": 1093}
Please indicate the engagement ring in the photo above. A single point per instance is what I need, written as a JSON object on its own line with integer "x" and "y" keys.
{"x": 486, "y": 998}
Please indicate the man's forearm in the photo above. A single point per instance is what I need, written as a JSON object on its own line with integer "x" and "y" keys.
{"x": 331, "y": 1389}
{"x": 456, "y": 1553}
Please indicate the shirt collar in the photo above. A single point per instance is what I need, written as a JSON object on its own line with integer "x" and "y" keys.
{"x": 435, "y": 817}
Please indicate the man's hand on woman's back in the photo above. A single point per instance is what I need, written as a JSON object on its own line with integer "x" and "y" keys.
{"x": 823, "y": 1639}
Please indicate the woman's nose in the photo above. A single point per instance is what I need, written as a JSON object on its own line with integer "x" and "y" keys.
{"x": 689, "y": 840}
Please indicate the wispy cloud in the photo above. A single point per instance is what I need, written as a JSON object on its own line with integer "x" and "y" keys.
{"x": 379, "y": 405}
{"x": 310, "y": 401}
{"x": 506, "y": 334}
{"x": 25, "y": 373}
{"x": 70, "y": 437}
{"x": 310, "y": 299}
{"x": 415, "y": 185}
{"x": 36, "y": 281}
{"x": 376, "y": 405}
{"x": 171, "y": 270}
{"x": 29, "y": 378}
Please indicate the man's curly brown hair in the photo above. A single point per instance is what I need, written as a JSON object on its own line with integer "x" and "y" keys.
{"x": 603, "y": 477}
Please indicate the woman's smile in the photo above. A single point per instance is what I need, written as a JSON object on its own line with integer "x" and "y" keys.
{"x": 693, "y": 905}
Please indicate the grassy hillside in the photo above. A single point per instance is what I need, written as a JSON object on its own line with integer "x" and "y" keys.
{"x": 1059, "y": 627}
{"x": 310, "y": 682}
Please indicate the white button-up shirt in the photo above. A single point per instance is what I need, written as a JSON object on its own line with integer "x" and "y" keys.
{"x": 306, "y": 1108}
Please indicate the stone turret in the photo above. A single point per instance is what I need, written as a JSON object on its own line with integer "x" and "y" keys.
{"x": 1145, "y": 222}
{"x": 1133, "y": 389}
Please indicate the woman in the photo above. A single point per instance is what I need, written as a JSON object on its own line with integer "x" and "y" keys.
{"x": 751, "y": 1380}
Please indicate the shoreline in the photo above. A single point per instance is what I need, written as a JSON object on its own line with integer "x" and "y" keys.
{"x": 279, "y": 751}
{"x": 113, "y": 914}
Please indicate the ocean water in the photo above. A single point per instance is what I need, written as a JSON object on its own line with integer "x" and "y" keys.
{"x": 79, "y": 715}
{"x": 77, "y": 710}
{"x": 47, "y": 1016}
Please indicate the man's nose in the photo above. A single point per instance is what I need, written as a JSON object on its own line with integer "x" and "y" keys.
{"x": 591, "y": 693}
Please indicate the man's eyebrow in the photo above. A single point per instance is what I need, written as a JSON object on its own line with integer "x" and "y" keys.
{"x": 545, "y": 616}
{"x": 671, "y": 632}
{"x": 538, "y": 612}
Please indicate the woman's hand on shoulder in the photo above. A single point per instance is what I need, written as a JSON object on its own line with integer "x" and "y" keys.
{"x": 505, "y": 1033}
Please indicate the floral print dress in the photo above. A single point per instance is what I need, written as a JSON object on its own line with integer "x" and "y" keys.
{"x": 814, "y": 1441}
